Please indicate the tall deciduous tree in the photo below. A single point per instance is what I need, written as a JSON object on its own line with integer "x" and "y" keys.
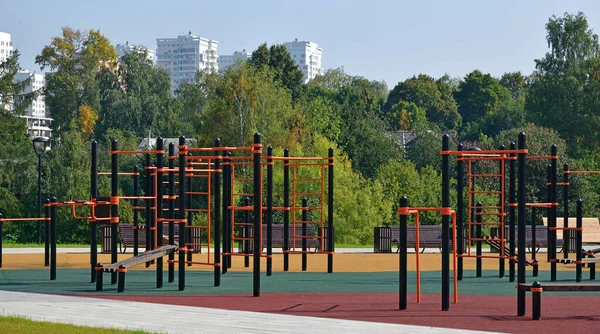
{"x": 282, "y": 66}
{"x": 424, "y": 91}
{"x": 562, "y": 83}
{"x": 74, "y": 58}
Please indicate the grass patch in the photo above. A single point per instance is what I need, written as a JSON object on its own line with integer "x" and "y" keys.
{"x": 35, "y": 245}
{"x": 13, "y": 324}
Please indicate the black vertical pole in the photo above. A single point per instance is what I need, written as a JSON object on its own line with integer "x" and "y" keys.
{"x": 121, "y": 273}
{"x": 136, "y": 211}
{"x": 522, "y": 194}
{"x": 565, "y": 188}
{"x": 549, "y": 200}
{"x": 536, "y": 300}
{"x": 269, "y": 210}
{"x": 158, "y": 232}
{"x": 217, "y": 214}
{"x": 190, "y": 214}
{"x": 149, "y": 205}
{"x": 182, "y": 205}
{"x": 39, "y": 198}
{"x": 534, "y": 260}
{"x": 502, "y": 231}
{"x": 172, "y": 211}
{"x": 512, "y": 201}
{"x": 226, "y": 219}
{"x": 304, "y": 233}
{"x": 48, "y": 216}
{"x": 53, "y": 239}
{"x": 445, "y": 224}
{"x": 460, "y": 213}
{"x": 227, "y": 226}
{"x": 114, "y": 206}
{"x": 330, "y": 231}
{"x": 257, "y": 149}
{"x": 479, "y": 253}
{"x": 402, "y": 254}
{"x": 578, "y": 249}
{"x": 246, "y": 229}
{"x": 93, "y": 223}
{"x": 286, "y": 212}
{"x": 553, "y": 209}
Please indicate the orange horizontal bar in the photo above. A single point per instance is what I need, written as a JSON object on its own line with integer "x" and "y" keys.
{"x": 542, "y": 157}
{"x": 486, "y": 152}
{"x": 22, "y": 219}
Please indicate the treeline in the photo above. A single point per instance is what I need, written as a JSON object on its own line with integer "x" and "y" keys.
{"x": 93, "y": 97}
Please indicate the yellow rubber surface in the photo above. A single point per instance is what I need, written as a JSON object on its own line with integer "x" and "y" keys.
{"x": 343, "y": 262}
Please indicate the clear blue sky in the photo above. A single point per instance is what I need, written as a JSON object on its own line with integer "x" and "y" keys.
{"x": 389, "y": 40}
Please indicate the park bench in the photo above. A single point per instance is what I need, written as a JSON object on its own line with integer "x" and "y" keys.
{"x": 122, "y": 266}
{"x": 429, "y": 236}
{"x": 537, "y": 288}
{"x": 541, "y": 238}
{"x": 126, "y": 235}
{"x": 277, "y": 238}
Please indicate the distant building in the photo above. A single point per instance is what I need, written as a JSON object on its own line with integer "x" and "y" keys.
{"x": 38, "y": 125}
{"x": 307, "y": 55}
{"x": 6, "y": 46}
{"x": 124, "y": 49}
{"x": 226, "y": 61}
{"x": 36, "y": 84}
{"x": 185, "y": 55}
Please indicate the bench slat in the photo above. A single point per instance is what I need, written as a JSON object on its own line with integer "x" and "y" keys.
{"x": 142, "y": 258}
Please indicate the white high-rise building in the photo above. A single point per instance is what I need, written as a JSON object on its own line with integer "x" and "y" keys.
{"x": 307, "y": 55}
{"x": 226, "y": 61}
{"x": 185, "y": 55}
{"x": 36, "y": 84}
{"x": 6, "y": 46}
{"x": 123, "y": 49}
{"x": 35, "y": 115}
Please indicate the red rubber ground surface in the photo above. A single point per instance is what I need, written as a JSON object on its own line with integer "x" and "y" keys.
{"x": 560, "y": 314}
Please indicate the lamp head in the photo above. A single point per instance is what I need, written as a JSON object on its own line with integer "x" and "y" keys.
{"x": 40, "y": 145}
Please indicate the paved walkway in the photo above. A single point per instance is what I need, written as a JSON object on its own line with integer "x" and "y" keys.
{"x": 183, "y": 319}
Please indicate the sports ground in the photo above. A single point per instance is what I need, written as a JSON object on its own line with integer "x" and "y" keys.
{"x": 364, "y": 286}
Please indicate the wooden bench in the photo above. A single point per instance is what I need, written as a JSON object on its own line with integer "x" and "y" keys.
{"x": 537, "y": 288}
{"x": 277, "y": 238}
{"x": 541, "y": 237}
{"x": 126, "y": 235}
{"x": 122, "y": 266}
{"x": 429, "y": 236}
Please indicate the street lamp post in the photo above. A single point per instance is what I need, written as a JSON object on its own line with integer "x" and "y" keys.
{"x": 39, "y": 146}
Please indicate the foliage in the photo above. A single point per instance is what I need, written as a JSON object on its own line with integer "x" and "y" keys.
{"x": 87, "y": 121}
{"x": 279, "y": 62}
{"x": 559, "y": 96}
{"x": 74, "y": 59}
{"x": 424, "y": 91}
{"x": 12, "y": 93}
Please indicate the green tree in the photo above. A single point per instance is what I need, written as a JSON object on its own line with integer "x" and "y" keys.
{"x": 425, "y": 92}
{"x": 559, "y": 94}
{"x": 248, "y": 101}
{"x": 12, "y": 93}
{"x": 282, "y": 66}
{"x": 74, "y": 58}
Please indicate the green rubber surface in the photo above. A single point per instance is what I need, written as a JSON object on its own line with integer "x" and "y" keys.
{"x": 143, "y": 282}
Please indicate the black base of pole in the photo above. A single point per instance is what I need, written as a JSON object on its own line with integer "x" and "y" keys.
{"x": 536, "y": 301}
{"x": 121, "y": 285}
{"x": 99, "y": 277}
